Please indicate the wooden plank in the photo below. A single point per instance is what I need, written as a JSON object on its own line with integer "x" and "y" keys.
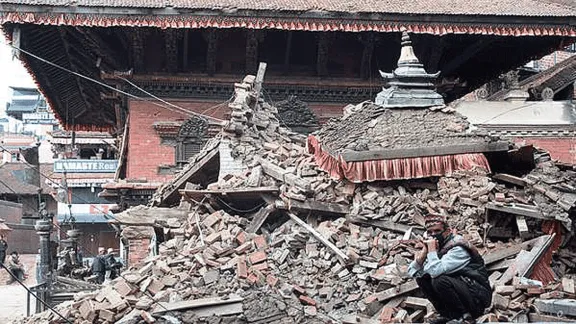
{"x": 537, "y": 254}
{"x": 181, "y": 181}
{"x": 510, "y": 179}
{"x": 388, "y": 225}
{"x": 505, "y": 253}
{"x": 231, "y": 191}
{"x": 520, "y": 264}
{"x": 259, "y": 219}
{"x": 341, "y": 255}
{"x": 518, "y": 209}
{"x": 404, "y": 288}
{"x": 219, "y": 310}
{"x": 197, "y": 303}
{"x": 349, "y": 156}
{"x": 522, "y": 226}
{"x": 541, "y": 318}
{"x": 313, "y": 206}
{"x": 500, "y": 265}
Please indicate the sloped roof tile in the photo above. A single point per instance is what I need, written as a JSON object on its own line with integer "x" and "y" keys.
{"x": 425, "y": 7}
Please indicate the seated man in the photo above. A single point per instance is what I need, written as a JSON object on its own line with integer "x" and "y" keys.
{"x": 15, "y": 266}
{"x": 451, "y": 274}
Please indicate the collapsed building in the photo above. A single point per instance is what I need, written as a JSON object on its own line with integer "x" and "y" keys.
{"x": 265, "y": 225}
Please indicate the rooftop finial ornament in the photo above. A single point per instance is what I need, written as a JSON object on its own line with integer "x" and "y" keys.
{"x": 409, "y": 85}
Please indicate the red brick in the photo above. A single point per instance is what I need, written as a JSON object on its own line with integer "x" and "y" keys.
{"x": 386, "y": 314}
{"x": 271, "y": 280}
{"x": 260, "y": 266}
{"x": 307, "y": 300}
{"x": 298, "y": 290}
{"x": 253, "y": 278}
{"x": 242, "y": 269}
{"x": 260, "y": 242}
{"x": 258, "y": 257}
{"x": 241, "y": 237}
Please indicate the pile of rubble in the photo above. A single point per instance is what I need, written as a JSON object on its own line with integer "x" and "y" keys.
{"x": 277, "y": 240}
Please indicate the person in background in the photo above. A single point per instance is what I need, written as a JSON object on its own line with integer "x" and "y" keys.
{"x": 111, "y": 265}
{"x": 451, "y": 274}
{"x": 15, "y": 266}
{"x": 99, "y": 265}
{"x": 3, "y": 248}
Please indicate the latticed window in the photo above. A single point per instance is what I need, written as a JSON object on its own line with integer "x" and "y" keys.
{"x": 191, "y": 138}
{"x": 184, "y": 151}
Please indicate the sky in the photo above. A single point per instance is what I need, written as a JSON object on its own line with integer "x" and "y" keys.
{"x": 12, "y": 73}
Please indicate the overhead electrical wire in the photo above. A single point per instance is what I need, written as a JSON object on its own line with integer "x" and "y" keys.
{"x": 165, "y": 104}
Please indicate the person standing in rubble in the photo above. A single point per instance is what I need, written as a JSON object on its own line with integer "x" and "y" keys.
{"x": 112, "y": 265}
{"x": 451, "y": 274}
{"x": 99, "y": 265}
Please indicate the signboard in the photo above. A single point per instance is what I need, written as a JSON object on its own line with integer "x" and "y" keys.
{"x": 85, "y": 213}
{"x": 85, "y": 166}
{"x": 94, "y": 209}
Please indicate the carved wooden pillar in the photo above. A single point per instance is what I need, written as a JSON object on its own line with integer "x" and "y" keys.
{"x": 211, "y": 36}
{"x": 171, "y": 42}
{"x": 322, "y": 58}
{"x": 253, "y": 38}
{"x": 185, "y": 50}
{"x": 369, "y": 42}
{"x": 138, "y": 49}
{"x": 287, "y": 53}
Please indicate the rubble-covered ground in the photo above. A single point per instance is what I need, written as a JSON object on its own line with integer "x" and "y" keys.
{"x": 300, "y": 247}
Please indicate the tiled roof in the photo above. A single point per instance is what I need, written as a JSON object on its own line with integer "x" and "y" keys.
{"x": 22, "y": 105}
{"x": 15, "y": 177}
{"x": 426, "y": 7}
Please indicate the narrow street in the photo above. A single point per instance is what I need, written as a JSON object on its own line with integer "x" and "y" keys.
{"x": 13, "y": 296}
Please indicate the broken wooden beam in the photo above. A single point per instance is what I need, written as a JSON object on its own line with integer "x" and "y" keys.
{"x": 341, "y": 255}
{"x": 388, "y": 225}
{"x": 188, "y": 176}
{"x": 402, "y": 289}
{"x": 518, "y": 209}
{"x": 505, "y": 253}
{"x": 197, "y": 303}
{"x": 313, "y": 206}
{"x": 253, "y": 192}
{"x": 259, "y": 218}
{"x": 353, "y": 156}
{"x": 510, "y": 179}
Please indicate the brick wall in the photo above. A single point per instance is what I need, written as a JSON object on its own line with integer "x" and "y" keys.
{"x": 137, "y": 250}
{"x": 145, "y": 153}
{"x": 22, "y": 241}
{"x": 560, "y": 148}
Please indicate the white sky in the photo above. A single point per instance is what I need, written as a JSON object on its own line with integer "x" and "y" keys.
{"x": 12, "y": 73}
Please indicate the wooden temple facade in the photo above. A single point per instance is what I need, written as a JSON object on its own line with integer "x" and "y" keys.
{"x": 322, "y": 57}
